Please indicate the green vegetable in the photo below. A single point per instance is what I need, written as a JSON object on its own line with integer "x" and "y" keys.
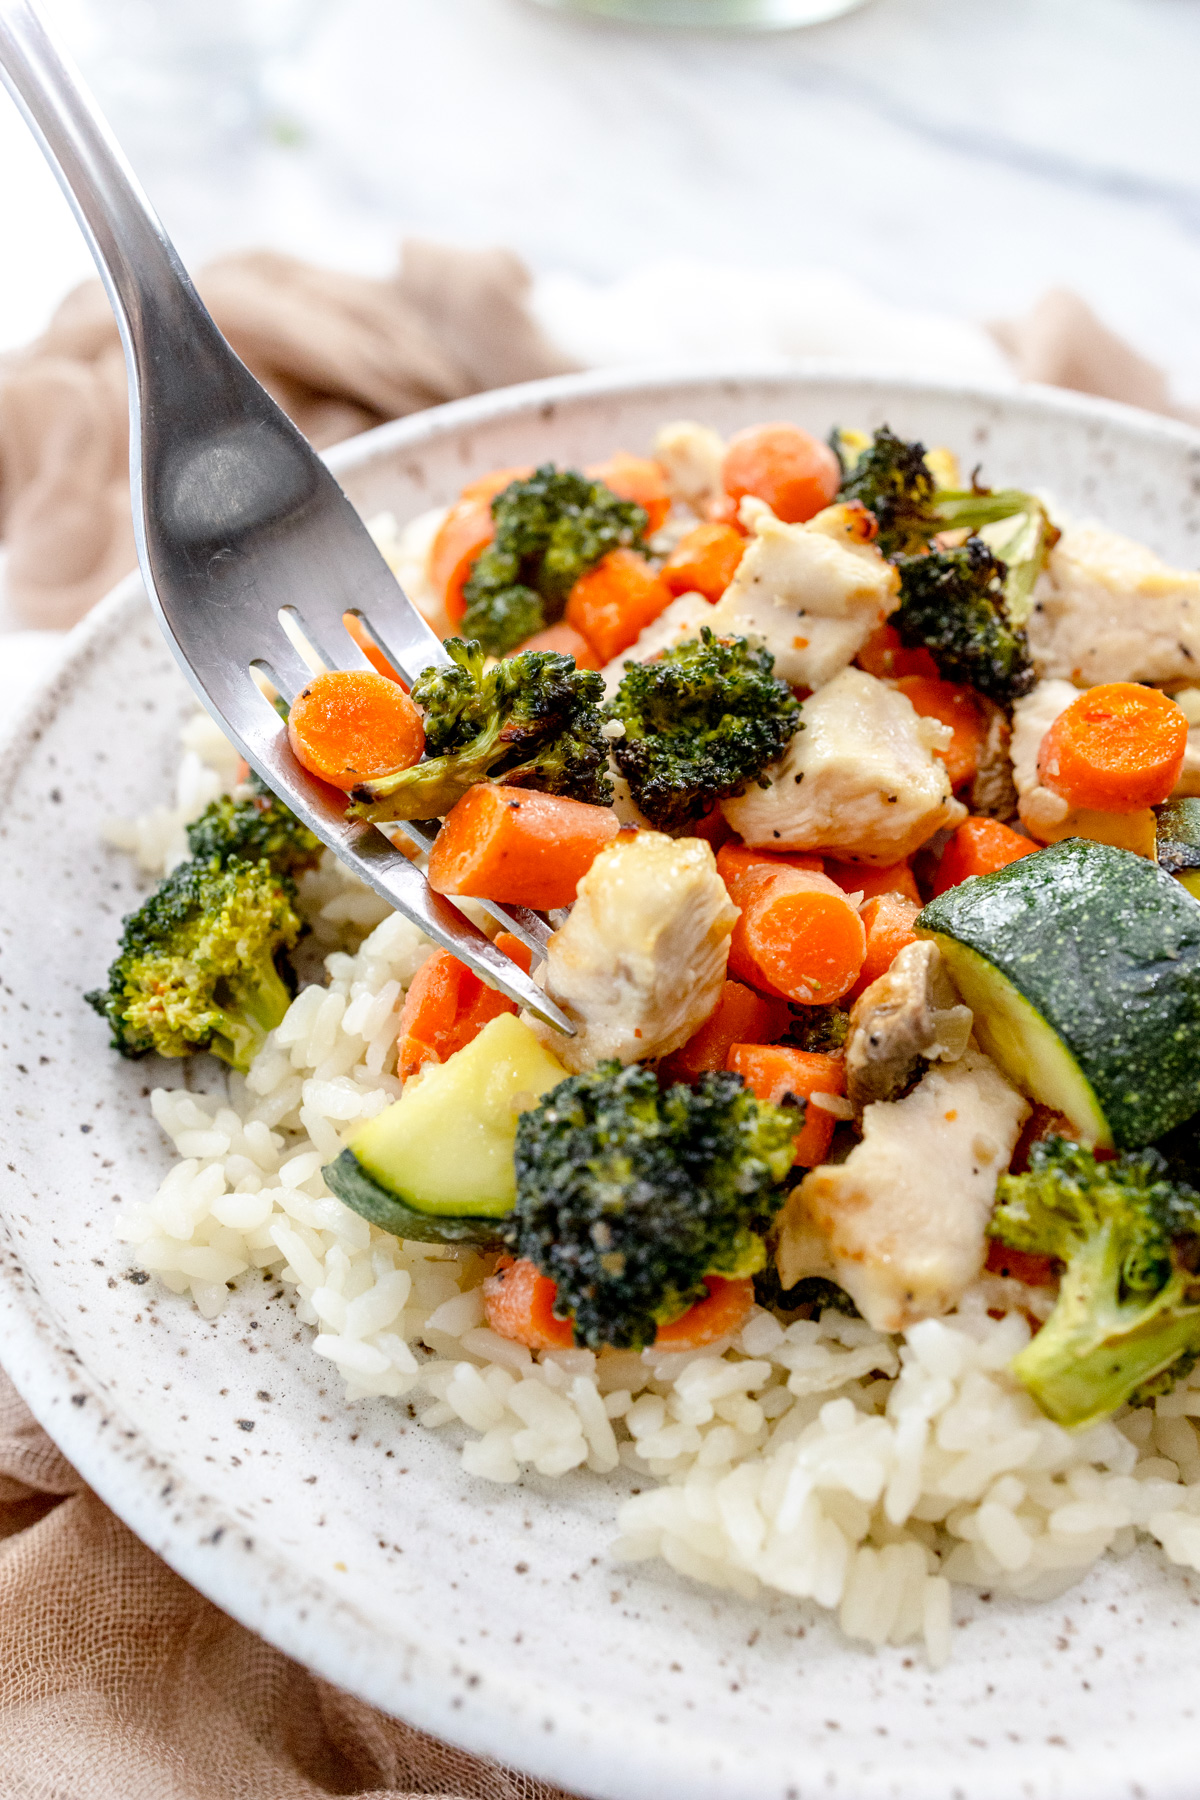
{"x": 813, "y": 1292}
{"x": 260, "y": 829}
{"x": 201, "y": 963}
{"x": 700, "y": 722}
{"x": 1178, "y": 834}
{"x": 1082, "y": 967}
{"x": 952, "y": 604}
{"x": 551, "y": 528}
{"x": 627, "y": 1196}
{"x": 820, "y": 1028}
{"x": 1126, "y": 1324}
{"x": 438, "y": 1163}
{"x": 531, "y": 721}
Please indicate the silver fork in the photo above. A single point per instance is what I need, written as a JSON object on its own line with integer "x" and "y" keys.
{"x": 247, "y": 544}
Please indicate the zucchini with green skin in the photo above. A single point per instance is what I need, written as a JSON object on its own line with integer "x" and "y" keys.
{"x": 1082, "y": 967}
{"x": 437, "y": 1165}
{"x": 1179, "y": 841}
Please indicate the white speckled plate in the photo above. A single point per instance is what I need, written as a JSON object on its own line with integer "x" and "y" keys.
{"x": 346, "y": 1535}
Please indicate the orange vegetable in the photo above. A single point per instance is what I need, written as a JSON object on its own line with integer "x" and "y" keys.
{"x": 486, "y": 487}
{"x": 514, "y": 949}
{"x": 566, "y": 640}
{"x": 856, "y": 878}
{"x": 740, "y": 1017}
{"x": 370, "y": 648}
{"x": 888, "y": 923}
{"x": 722, "y": 509}
{"x": 798, "y": 935}
{"x": 795, "y": 473}
{"x": 723, "y": 1311}
{"x": 1022, "y": 1265}
{"x": 467, "y": 529}
{"x": 743, "y": 869}
{"x": 773, "y": 1071}
{"x": 978, "y": 847}
{"x": 349, "y": 725}
{"x": 1118, "y": 748}
{"x": 885, "y": 656}
{"x": 614, "y": 602}
{"x": 704, "y": 561}
{"x": 957, "y": 707}
{"x": 518, "y": 1302}
{"x": 518, "y": 846}
{"x": 712, "y": 828}
{"x": 636, "y": 478}
{"x": 445, "y": 1009}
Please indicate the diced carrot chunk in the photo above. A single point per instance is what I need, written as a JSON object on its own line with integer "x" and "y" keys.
{"x": 518, "y": 846}
{"x": 979, "y": 847}
{"x": 566, "y": 640}
{"x": 740, "y": 1017}
{"x": 772, "y": 1072}
{"x": 885, "y": 656}
{"x": 614, "y": 602}
{"x": 792, "y": 471}
{"x": 888, "y": 922}
{"x": 798, "y": 935}
{"x": 857, "y": 878}
{"x": 636, "y": 478}
{"x": 518, "y": 1303}
{"x": 704, "y": 561}
{"x": 955, "y": 705}
{"x": 444, "y": 1010}
{"x": 467, "y": 529}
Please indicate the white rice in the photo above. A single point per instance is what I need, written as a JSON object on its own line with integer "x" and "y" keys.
{"x": 862, "y": 1472}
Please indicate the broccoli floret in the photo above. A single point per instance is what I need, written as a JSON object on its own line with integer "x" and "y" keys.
{"x": 628, "y": 1195}
{"x": 532, "y": 721}
{"x": 260, "y": 829}
{"x": 820, "y": 1028}
{"x": 700, "y": 722}
{"x": 201, "y": 966}
{"x": 1127, "y": 1321}
{"x": 550, "y": 529}
{"x": 814, "y": 1292}
{"x": 952, "y": 604}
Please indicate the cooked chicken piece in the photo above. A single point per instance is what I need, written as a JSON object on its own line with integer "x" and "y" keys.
{"x": 859, "y": 779}
{"x": 993, "y": 792}
{"x": 813, "y": 594}
{"x": 1189, "y": 779}
{"x": 692, "y": 456}
{"x": 910, "y": 1014}
{"x": 640, "y": 962}
{"x": 680, "y": 621}
{"x": 1108, "y": 609}
{"x": 902, "y": 1220}
{"x": 1043, "y": 813}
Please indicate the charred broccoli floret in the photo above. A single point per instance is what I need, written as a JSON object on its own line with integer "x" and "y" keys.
{"x": 820, "y": 1028}
{"x": 813, "y": 1292}
{"x": 952, "y": 603}
{"x": 1127, "y": 1322}
{"x": 699, "y": 723}
{"x": 259, "y": 829}
{"x": 892, "y": 479}
{"x": 628, "y": 1195}
{"x": 550, "y": 529}
{"x": 200, "y": 965}
{"x": 532, "y": 721}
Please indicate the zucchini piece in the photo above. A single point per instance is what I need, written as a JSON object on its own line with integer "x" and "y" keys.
{"x": 443, "y": 1152}
{"x": 1082, "y": 967}
{"x": 1124, "y": 831}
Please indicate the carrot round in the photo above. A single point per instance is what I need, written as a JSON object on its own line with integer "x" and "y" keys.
{"x": 1118, "y": 748}
{"x": 740, "y": 1017}
{"x": 518, "y": 1303}
{"x": 445, "y": 1009}
{"x": 723, "y": 1311}
{"x": 467, "y": 529}
{"x": 518, "y": 846}
{"x": 772, "y": 1071}
{"x": 856, "y": 878}
{"x": 884, "y": 656}
{"x": 744, "y": 870}
{"x": 704, "y": 561}
{"x": 979, "y": 847}
{"x": 486, "y": 487}
{"x": 956, "y": 706}
{"x": 636, "y": 478}
{"x": 566, "y": 640}
{"x": 614, "y": 602}
{"x": 514, "y": 949}
{"x": 888, "y": 923}
{"x": 798, "y": 936}
{"x": 795, "y": 473}
{"x": 349, "y": 725}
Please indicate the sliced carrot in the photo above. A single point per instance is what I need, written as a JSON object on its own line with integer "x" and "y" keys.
{"x": 979, "y": 847}
{"x": 636, "y": 478}
{"x": 856, "y": 878}
{"x": 795, "y": 473}
{"x": 566, "y": 640}
{"x": 956, "y": 706}
{"x": 486, "y": 487}
{"x": 1021, "y": 1265}
{"x": 514, "y": 949}
{"x": 445, "y": 1009}
{"x": 740, "y": 1017}
{"x": 723, "y": 1311}
{"x": 614, "y": 602}
{"x": 349, "y": 725}
{"x": 712, "y": 828}
{"x": 518, "y": 1303}
{"x": 704, "y": 561}
{"x": 743, "y": 870}
{"x": 888, "y": 922}
{"x": 518, "y": 846}
{"x": 797, "y": 935}
{"x": 772, "y": 1071}
{"x": 883, "y": 655}
{"x": 1118, "y": 748}
{"x": 467, "y": 529}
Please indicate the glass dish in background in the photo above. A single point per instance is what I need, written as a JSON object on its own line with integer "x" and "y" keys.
{"x": 720, "y": 15}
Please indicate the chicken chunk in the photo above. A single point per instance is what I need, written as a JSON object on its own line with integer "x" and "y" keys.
{"x": 901, "y": 1223}
{"x": 1042, "y": 812}
{"x": 674, "y": 626}
{"x": 1108, "y": 609}
{"x": 912, "y": 1013}
{"x": 859, "y": 779}
{"x": 813, "y": 594}
{"x": 692, "y": 456}
{"x": 640, "y": 962}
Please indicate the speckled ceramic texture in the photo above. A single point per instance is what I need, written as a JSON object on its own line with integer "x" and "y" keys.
{"x": 348, "y": 1536}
